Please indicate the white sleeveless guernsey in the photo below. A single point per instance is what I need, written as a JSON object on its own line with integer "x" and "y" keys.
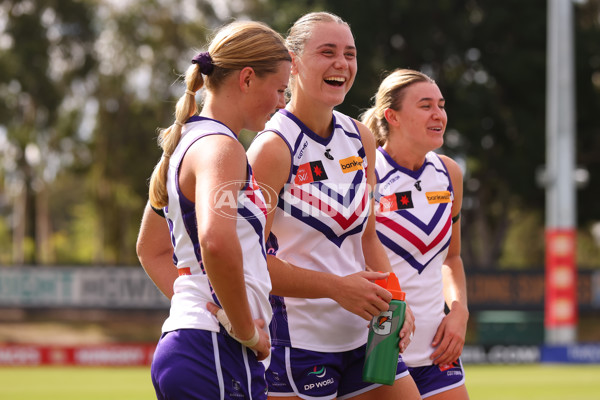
{"x": 321, "y": 215}
{"x": 414, "y": 223}
{"x": 192, "y": 288}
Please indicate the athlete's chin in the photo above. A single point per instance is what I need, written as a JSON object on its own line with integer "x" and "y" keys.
{"x": 437, "y": 143}
{"x": 336, "y": 99}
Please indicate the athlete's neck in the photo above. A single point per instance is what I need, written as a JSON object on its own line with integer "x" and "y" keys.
{"x": 222, "y": 110}
{"x": 403, "y": 156}
{"x": 317, "y": 118}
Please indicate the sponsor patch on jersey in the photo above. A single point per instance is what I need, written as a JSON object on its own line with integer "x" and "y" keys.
{"x": 396, "y": 201}
{"x": 438, "y": 197}
{"x": 350, "y": 164}
{"x": 310, "y": 172}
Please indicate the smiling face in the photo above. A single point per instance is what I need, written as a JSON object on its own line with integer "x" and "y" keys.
{"x": 421, "y": 121}
{"x": 267, "y": 95}
{"x": 325, "y": 70}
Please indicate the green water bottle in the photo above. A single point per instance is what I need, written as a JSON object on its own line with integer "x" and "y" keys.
{"x": 381, "y": 360}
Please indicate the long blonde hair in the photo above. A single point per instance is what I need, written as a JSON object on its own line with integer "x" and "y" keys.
{"x": 234, "y": 47}
{"x": 390, "y": 95}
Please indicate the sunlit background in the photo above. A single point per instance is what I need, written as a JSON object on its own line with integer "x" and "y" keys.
{"x": 85, "y": 84}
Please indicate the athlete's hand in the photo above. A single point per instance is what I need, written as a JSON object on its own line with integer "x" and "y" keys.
{"x": 408, "y": 329}
{"x": 450, "y": 337}
{"x": 359, "y": 294}
{"x": 262, "y": 348}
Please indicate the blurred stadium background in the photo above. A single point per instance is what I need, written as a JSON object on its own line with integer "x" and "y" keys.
{"x": 112, "y": 316}
{"x": 84, "y": 84}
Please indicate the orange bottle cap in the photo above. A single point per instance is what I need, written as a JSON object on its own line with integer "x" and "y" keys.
{"x": 392, "y": 285}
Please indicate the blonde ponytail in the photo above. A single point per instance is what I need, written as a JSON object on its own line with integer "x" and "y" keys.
{"x": 168, "y": 139}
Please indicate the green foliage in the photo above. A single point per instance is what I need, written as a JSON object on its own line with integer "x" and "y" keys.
{"x": 588, "y": 249}
{"x": 489, "y": 59}
{"x": 89, "y": 82}
{"x": 78, "y": 242}
{"x": 587, "y": 72}
{"x": 524, "y": 243}
{"x": 46, "y": 51}
{"x": 29, "y": 250}
{"x": 5, "y": 239}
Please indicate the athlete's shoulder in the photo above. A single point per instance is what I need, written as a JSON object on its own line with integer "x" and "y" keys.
{"x": 452, "y": 166}
{"x": 285, "y": 125}
{"x": 383, "y": 161}
{"x": 347, "y": 123}
{"x": 198, "y": 125}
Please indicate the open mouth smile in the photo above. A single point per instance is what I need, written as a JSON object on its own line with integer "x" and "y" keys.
{"x": 335, "y": 80}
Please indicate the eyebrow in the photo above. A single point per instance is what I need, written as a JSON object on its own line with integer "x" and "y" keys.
{"x": 431, "y": 99}
{"x": 335, "y": 46}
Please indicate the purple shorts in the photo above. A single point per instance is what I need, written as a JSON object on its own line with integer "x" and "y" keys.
{"x": 432, "y": 379}
{"x": 315, "y": 375}
{"x": 198, "y": 364}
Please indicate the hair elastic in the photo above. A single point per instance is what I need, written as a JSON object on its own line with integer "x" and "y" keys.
{"x": 205, "y": 62}
{"x": 179, "y": 123}
{"x": 190, "y": 92}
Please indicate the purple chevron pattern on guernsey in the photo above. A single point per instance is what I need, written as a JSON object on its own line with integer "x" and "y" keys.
{"x": 414, "y": 239}
{"x": 414, "y": 249}
{"x": 336, "y": 211}
{"x": 413, "y": 222}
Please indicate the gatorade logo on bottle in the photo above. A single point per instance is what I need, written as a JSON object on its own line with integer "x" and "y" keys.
{"x": 381, "y": 358}
{"x": 382, "y": 323}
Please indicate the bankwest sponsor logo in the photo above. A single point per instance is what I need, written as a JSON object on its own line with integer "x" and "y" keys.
{"x": 396, "y": 201}
{"x": 438, "y": 197}
{"x": 350, "y": 164}
{"x": 310, "y": 172}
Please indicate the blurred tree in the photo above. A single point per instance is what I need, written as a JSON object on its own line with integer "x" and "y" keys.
{"x": 45, "y": 50}
{"x": 142, "y": 49}
{"x": 484, "y": 55}
{"x": 587, "y": 62}
{"x": 489, "y": 59}
{"x": 86, "y": 84}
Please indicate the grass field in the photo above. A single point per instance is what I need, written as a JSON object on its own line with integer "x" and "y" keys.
{"x": 487, "y": 382}
{"x": 533, "y": 382}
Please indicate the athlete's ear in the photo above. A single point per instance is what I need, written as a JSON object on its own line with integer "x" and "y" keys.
{"x": 391, "y": 116}
{"x": 247, "y": 75}
{"x": 294, "y": 68}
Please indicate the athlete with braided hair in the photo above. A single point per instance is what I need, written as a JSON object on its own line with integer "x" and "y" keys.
{"x": 215, "y": 217}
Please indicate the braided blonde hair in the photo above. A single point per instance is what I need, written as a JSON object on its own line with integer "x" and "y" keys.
{"x": 234, "y": 47}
